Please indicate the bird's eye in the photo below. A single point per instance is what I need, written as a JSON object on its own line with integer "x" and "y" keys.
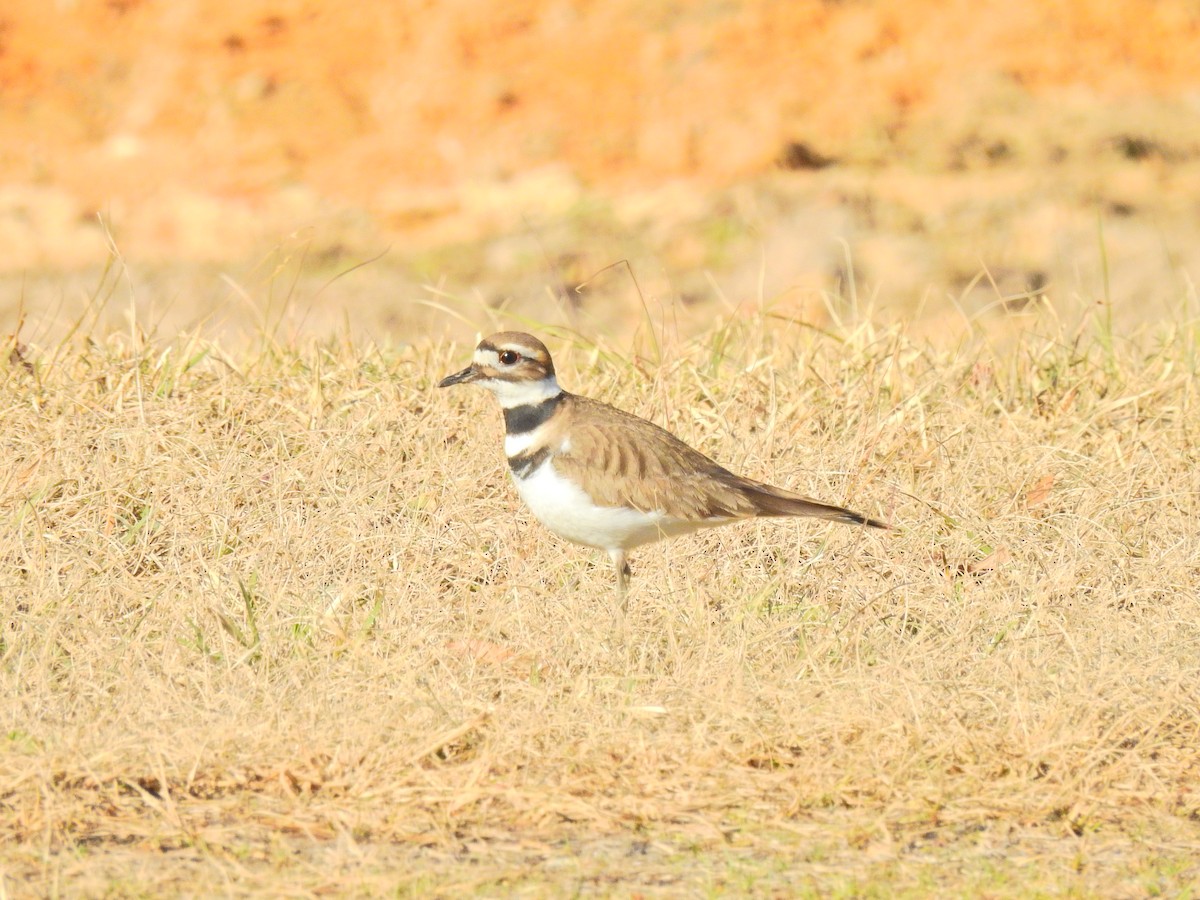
{"x": 508, "y": 357}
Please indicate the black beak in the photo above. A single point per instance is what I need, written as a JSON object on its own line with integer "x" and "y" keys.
{"x": 466, "y": 376}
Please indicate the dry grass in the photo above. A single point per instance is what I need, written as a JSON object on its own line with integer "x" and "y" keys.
{"x": 274, "y": 622}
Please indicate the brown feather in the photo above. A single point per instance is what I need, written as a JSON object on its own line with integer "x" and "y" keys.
{"x": 622, "y": 459}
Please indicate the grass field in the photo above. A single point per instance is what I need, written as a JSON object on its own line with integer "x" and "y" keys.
{"x": 273, "y": 621}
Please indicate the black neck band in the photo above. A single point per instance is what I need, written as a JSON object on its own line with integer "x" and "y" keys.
{"x": 521, "y": 419}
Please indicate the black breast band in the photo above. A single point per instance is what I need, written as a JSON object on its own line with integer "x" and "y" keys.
{"x": 525, "y": 464}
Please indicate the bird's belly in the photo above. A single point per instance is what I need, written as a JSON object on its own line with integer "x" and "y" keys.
{"x": 563, "y": 507}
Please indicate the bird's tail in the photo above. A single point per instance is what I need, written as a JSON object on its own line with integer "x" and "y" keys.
{"x": 773, "y": 501}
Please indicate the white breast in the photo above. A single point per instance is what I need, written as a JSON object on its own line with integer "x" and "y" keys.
{"x": 563, "y": 507}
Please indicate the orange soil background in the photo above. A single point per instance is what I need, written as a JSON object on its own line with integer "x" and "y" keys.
{"x": 181, "y": 119}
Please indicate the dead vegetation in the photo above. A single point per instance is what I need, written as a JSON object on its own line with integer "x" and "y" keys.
{"x": 274, "y": 620}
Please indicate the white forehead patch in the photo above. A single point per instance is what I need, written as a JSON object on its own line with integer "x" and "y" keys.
{"x": 486, "y": 357}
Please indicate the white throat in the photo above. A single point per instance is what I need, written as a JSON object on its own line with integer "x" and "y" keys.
{"x": 522, "y": 393}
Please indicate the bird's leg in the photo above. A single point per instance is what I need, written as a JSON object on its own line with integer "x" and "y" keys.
{"x": 621, "y": 565}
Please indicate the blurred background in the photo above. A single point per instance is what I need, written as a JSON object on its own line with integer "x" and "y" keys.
{"x": 433, "y": 165}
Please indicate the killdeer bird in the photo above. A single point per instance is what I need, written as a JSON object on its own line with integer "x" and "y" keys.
{"x": 604, "y": 478}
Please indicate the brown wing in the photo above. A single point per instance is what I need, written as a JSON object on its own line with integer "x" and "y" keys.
{"x": 626, "y": 460}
